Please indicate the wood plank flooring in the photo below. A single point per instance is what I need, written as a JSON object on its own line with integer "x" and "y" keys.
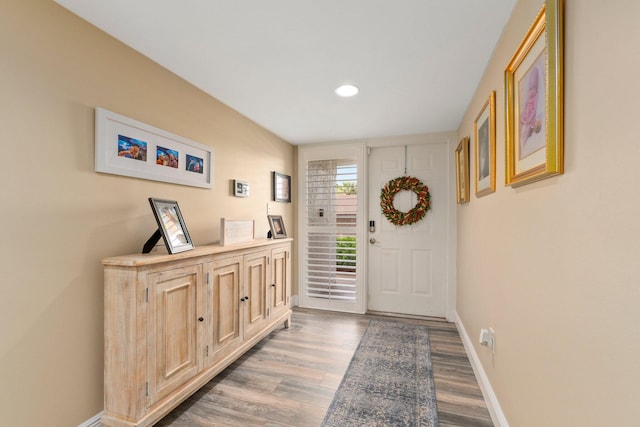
{"x": 289, "y": 378}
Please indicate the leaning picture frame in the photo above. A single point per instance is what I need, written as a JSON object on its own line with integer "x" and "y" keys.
{"x": 171, "y": 226}
{"x": 534, "y": 101}
{"x": 484, "y": 130}
{"x": 462, "y": 171}
{"x": 124, "y": 146}
{"x": 277, "y": 227}
{"x": 281, "y": 187}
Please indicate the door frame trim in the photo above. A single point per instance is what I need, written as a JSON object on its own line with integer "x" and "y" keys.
{"x": 448, "y": 138}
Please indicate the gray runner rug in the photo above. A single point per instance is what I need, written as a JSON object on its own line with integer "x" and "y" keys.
{"x": 389, "y": 381}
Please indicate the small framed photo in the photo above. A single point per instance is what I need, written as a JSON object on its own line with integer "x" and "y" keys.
{"x": 484, "y": 129}
{"x": 281, "y": 187}
{"x": 462, "y": 171}
{"x": 171, "y": 225}
{"x": 277, "y": 227}
{"x": 534, "y": 101}
{"x": 240, "y": 188}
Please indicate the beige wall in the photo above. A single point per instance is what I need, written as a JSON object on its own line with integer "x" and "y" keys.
{"x": 61, "y": 218}
{"x": 554, "y": 266}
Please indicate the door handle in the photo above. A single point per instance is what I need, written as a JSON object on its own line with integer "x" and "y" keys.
{"x": 373, "y": 241}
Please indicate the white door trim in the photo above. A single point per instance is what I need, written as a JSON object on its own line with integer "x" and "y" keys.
{"x": 449, "y": 138}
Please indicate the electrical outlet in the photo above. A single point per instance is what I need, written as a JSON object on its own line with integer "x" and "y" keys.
{"x": 488, "y": 338}
{"x": 484, "y": 336}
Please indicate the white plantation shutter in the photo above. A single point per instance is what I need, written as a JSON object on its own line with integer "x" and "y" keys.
{"x": 331, "y": 252}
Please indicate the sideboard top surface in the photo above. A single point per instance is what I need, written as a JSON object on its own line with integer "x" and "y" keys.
{"x": 137, "y": 260}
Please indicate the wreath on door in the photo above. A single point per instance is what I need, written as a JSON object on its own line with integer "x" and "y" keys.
{"x": 405, "y": 183}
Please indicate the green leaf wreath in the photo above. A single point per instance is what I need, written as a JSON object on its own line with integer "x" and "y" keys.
{"x": 403, "y": 183}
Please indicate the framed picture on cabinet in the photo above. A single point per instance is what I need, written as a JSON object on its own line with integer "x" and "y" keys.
{"x": 484, "y": 130}
{"x": 462, "y": 171}
{"x": 534, "y": 101}
{"x": 277, "y": 227}
{"x": 171, "y": 226}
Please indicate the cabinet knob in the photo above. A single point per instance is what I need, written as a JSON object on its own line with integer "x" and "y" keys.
{"x": 201, "y": 319}
{"x": 273, "y": 286}
{"x": 246, "y": 298}
{"x": 242, "y": 299}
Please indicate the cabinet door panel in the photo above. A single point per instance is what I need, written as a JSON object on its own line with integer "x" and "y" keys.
{"x": 255, "y": 287}
{"x": 280, "y": 273}
{"x": 173, "y": 329}
{"x": 225, "y": 326}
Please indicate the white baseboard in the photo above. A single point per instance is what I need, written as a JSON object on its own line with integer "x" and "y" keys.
{"x": 93, "y": 422}
{"x": 497, "y": 416}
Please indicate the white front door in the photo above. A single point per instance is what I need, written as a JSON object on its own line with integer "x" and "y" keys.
{"x": 407, "y": 270}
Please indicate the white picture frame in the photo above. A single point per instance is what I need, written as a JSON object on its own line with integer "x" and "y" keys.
{"x": 127, "y": 147}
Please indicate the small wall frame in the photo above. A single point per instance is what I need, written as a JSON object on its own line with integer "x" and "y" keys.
{"x": 281, "y": 187}
{"x": 240, "y": 188}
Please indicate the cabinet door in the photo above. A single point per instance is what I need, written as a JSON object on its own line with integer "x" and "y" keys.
{"x": 172, "y": 329}
{"x": 224, "y": 327}
{"x": 280, "y": 277}
{"x": 254, "y": 294}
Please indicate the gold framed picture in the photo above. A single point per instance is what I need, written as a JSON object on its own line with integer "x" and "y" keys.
{"x": 462, "y": 171}
{"x": 534, "y": 101}
{"x": 484, "y": 130}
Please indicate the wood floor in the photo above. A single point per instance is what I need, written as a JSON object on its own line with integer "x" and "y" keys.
{"x": 289, "y": 378}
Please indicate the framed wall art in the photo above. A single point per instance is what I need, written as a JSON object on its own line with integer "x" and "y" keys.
{"x": 240, "y": 188}
{"x": 462, "y": 171}
{"x": 281, "y": 187}
{"x": 127, "y": 147}
{"x": 534, "y": 101}
{"x": 484, "y": 130}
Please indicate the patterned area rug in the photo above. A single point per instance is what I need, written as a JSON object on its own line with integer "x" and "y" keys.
{"x": 389, "y": 381}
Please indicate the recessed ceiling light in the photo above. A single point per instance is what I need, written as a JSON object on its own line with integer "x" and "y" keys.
{"x": 347, "y": 91}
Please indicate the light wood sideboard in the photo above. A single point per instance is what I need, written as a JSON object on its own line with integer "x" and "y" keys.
{"x": 173, "y": 322}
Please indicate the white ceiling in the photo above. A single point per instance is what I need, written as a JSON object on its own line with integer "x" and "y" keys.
{"x": 417, "y": 62}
